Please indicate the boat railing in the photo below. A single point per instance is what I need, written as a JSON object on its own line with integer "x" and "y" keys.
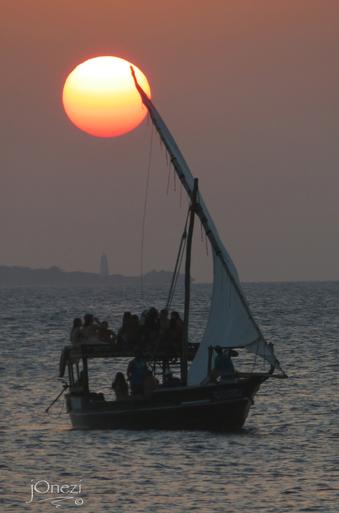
{"x": 106, "y": 350}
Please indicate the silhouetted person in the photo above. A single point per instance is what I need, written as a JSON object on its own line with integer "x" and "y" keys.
{"x": 136, "y": 373}
{"x": 164, "y": 323}
{"x": 76, "y": 334}
{"x": 151, "y": 328}
{"x": 90, "y": 329}
{"x": 223, "y": 365}
{"x": 170, "y": 380}
{"x": 134, "y": 334}
{"x": 175, "y": 333}
{"x": 150, "y": 383}
{"x": 123, "y": 333}
{"x": 120, "y": 387}
{"x": 104, "y": 333}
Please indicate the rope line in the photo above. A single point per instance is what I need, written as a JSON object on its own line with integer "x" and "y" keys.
{"x": 148, "y": 175}
{"x": 168, "y": 180}
{"x": 178, "y": 263}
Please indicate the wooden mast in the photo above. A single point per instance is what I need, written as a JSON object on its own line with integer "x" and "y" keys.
{"x": 184, "y": 354}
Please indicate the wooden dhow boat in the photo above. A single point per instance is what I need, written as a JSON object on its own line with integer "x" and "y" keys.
{"x": 198, "y": 400}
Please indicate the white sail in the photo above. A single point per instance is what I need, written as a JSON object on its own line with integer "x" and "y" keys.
{"x": 228, "y": 325}
{"x": 230, "y": 321}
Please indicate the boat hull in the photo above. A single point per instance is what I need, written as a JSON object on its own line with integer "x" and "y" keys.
{"x": 215, "y": 408}
{"x": 220, "y": 416}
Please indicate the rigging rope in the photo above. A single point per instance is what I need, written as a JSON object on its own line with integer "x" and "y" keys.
{"x": 168, "y": 179}
{"x": 149, "y": 165}
{"x": 178, "y": 263}
{"x": 175, "y": 276}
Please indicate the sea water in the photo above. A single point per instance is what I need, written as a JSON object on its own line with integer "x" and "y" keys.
{"x": 284, "y": 460}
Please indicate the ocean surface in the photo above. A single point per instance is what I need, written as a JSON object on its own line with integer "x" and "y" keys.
{"x": 285, "y": 459}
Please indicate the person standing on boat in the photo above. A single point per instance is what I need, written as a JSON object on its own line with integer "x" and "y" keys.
{"x": 223, "y": 365}
{"x": 136, "y": 373}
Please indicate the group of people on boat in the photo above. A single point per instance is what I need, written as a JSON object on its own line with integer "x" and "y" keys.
{"x": 90, "y": 330}
{"x": 153, "y": 331}
{"x": 143, "y": 382}
{"x": 141, "y": 379}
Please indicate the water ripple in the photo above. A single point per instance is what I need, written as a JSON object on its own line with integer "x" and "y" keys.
{"x": 284, "y": 460}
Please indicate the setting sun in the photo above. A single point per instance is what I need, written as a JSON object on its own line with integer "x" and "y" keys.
{"x": 100, "y": 96}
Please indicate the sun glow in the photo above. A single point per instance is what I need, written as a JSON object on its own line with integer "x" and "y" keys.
{"x": 100, "y": 96}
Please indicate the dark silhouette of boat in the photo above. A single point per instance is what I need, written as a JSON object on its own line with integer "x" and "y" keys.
{"x": 213, "y": 406}
{"x": 200, "y": 398}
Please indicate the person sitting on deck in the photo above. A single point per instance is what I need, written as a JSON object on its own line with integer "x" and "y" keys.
{"x": 134, "y": 332}
{"x": 150, "y": 383}
{"x": 76, "y": 335}
{"x": 170, "y": 380}
{"x": 123, "y": 333}
{"x": 136, "y": 373}
{"x": 164, "y": 323}
{"x": 90, "y": 329}
{"x": 175, "y": 333}
{"x": 223, "y": 365}
{"x": 151, "y": 329}
{"x": 120, "y": 387}
{"x": 104, "y": 333}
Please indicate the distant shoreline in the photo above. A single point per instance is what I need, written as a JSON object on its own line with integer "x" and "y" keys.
{"x": 20, "y": 276}
{"x": 12, "y": 276}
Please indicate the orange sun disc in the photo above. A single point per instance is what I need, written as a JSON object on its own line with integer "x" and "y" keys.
{"x": 100, "y": 96}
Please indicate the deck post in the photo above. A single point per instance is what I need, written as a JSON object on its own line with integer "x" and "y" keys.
{"x": 209, "y": 364}
{"x": 85, "y": 369}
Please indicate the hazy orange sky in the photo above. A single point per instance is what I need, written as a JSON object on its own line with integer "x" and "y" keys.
{"x": 249, "y": 89}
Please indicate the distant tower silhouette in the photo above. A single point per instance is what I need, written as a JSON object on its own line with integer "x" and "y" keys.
{"x": 104, "y": 266}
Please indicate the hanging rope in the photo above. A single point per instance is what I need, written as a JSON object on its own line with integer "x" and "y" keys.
{"x": 203, "y": 238}
{"x": 148, "y": 175}
{"x": 178, "y": 263}
{"x": 174, "y": 180}
{"x": 168, "y": 180}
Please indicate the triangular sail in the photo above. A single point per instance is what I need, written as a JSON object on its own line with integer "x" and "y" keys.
{"x": 230, "y": 321}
